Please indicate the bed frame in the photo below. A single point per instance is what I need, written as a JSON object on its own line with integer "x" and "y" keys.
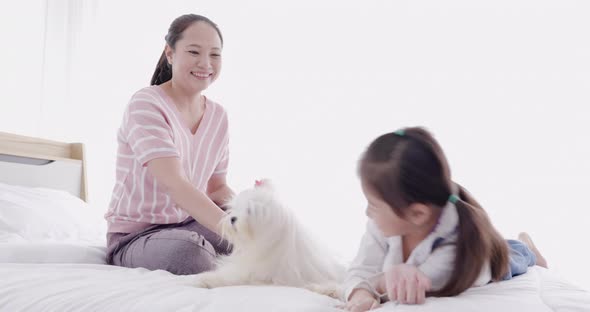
{"x": 36, "y": 162}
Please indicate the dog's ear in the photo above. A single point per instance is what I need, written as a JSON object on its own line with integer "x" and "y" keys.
{"x": 264, "y": 183}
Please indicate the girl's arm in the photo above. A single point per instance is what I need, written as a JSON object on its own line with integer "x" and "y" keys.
{"x": 361, "y": 300}
{"x": 404, "y": 283}
{"x": 218, "y": 191}
{"x": 367, "y": 263}
{"x": 438, "y": 267}
{"x": 408, "y": 284}
{"x": 167, "y": 171}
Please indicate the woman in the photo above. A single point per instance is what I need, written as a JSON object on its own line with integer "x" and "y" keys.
{"x": 172, "y": 160}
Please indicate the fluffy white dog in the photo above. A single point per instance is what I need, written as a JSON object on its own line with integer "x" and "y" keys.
{"x": 270, "y": 247}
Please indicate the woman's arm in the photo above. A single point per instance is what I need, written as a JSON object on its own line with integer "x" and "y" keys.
{"x": 218, "y": 191}
{"x": 167, "y": 171}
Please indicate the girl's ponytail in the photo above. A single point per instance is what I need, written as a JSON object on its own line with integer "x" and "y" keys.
{"x": 477, "y": 242}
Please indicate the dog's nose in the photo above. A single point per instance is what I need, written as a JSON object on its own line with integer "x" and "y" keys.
{"x": 233, "y": 220}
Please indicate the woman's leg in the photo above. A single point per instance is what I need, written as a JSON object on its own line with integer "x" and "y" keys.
{"x": 221, "y": 246}
{"x": 175, "y": 250}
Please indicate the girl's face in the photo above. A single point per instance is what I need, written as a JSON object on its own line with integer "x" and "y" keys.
{"x": 196, "y": 58}
{"x": 382, "y": 214}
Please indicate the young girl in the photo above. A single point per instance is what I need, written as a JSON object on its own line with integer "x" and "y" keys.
{"x": 172, "y": 160}
{"x": 426, "y": 236}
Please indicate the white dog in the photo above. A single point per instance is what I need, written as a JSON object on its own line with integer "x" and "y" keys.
{"x": 270, "y": 247}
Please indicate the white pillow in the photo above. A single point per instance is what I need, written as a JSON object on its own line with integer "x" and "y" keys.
{"x": 46, "y": 215}
{"x": 50, "y": 252}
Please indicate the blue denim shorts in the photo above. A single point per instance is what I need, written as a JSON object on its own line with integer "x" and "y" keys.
{"x": 521, "y": 258}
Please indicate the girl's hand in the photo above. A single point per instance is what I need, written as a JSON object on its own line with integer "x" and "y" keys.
{"x": 406, "y": 284}
{"x": 360, "y": 301}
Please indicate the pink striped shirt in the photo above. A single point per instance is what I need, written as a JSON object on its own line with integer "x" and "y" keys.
{"x": 152, "y": 128}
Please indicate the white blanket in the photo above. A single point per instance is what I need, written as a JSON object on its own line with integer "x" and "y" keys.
{"x": 93, "y": 287}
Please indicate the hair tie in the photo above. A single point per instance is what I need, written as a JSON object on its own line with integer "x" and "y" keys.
{"x": 454, "y": 198}
{"x": 400, "y": 132}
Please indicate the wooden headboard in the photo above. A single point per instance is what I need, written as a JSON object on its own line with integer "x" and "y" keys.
{"x": 35, "y": 162}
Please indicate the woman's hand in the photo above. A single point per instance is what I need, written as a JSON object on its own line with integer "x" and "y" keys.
{"x": 361, "y": 300}
{"x": 218, "y": 191}
{"x": 405, "y": 284}
{"x": 168, "y": 172}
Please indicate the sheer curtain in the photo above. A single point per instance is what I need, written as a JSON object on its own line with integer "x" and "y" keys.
{"x": 67, "y": 80}
{"x": 22, "y": 33}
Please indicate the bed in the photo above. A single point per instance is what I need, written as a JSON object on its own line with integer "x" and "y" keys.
{"x": 52, "y": 256}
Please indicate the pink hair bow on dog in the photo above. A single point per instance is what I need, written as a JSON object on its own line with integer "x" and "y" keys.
{"x": 258, "y": 182}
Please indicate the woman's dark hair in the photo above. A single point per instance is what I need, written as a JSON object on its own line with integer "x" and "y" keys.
{"x": 410, "y": 167}
{"x": 163, "y": 71}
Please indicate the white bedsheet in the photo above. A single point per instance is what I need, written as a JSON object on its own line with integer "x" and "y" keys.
{"x": 92, "y": 287}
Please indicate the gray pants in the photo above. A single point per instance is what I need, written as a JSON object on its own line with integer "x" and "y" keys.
{"x": 184, "y": 248}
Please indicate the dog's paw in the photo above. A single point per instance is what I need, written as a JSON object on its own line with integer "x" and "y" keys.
{"x": 212, "y": 279}
{"x": 201, "y": 283}
{"x": 330, "y": 290}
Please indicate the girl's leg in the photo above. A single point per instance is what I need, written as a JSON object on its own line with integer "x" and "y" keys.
{"x": 525, "y": 238}
{"x": 520, "y": 258}
{"x": 523, "y": 254}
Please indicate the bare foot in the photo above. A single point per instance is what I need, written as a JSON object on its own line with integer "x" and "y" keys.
{"x": 525, "y": 238}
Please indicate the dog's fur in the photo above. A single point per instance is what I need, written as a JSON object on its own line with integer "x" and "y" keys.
{"x": 270, "y": 247}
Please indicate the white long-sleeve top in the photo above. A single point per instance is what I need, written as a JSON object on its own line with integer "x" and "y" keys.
{"x": 434, "y": 256}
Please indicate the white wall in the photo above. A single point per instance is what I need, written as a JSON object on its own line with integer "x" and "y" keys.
{"x": 504, "y": 85}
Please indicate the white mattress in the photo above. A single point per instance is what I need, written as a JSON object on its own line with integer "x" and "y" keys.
{"x": 94, "y": 287}
{"x": 51, "y": 263}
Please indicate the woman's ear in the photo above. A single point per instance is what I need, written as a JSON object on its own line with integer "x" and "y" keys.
{"x": 419, "y": 214}
{"x": 168, "y": 51}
